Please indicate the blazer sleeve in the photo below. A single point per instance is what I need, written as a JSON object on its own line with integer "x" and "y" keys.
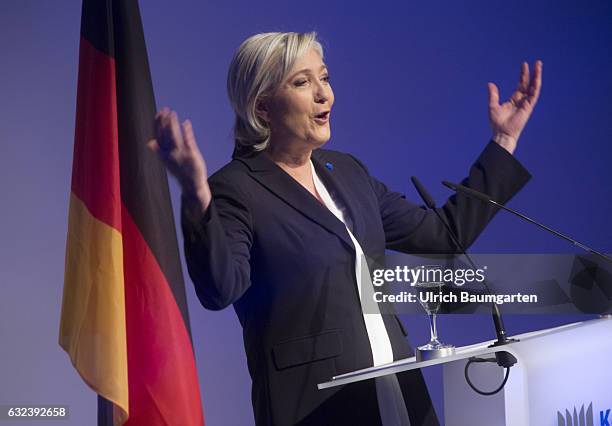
{"x": 217, "y": 246}
{"x": 412, "y": 228}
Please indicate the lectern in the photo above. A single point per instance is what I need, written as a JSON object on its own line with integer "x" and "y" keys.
{"x": 563, "y": 377}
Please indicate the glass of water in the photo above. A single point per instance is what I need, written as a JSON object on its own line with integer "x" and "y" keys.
{"x": 429, "y": 291}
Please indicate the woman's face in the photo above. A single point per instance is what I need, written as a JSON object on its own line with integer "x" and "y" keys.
{"x": 298, "y": 111}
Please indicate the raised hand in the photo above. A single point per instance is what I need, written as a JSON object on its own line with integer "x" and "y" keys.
{"x": 508, "y": 119}
{"x": 177, "y": 147}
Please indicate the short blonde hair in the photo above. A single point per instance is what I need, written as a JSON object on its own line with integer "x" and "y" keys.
{"x": 259, "y": 65}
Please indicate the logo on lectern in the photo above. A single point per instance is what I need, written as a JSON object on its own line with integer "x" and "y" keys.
{"x": 582, "y": 418}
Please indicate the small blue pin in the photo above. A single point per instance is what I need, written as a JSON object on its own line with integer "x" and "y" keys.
{"x": 330, "y": 166}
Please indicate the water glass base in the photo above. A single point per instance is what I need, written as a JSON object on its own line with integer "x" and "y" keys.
{"x": 427, "y": 352}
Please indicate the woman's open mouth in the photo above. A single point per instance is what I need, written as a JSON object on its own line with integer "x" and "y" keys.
{"x": 322, "y": 117}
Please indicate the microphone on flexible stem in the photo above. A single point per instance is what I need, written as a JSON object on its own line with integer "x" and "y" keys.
{"x": 504, "y": 359}
{"x": 485, "y": 198}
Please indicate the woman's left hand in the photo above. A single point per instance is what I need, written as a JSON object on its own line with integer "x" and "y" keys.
{"x": 508, "y": 119}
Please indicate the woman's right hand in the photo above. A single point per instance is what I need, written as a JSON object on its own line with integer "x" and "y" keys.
{"x": 176, "y": 145}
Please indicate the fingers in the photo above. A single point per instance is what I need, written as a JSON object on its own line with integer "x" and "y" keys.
{"x": 153, "y": 144}
{"x": 164, "y": 141}
{"x": 493, "y": 95}
{"x": 523, "y": 85}
{"x": 528, "y": 89}
{"x": 536, "y": 83}
{"x": 175, "y": 130}
{"x": 188, "y": 135}
{"x": 169, "y": 137}
{"x": 173, "y": 140}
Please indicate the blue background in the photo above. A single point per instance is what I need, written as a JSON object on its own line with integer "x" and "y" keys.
{"x": 411, "y": 99}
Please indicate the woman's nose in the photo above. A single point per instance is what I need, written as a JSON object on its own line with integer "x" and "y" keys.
{"x": 321, "y": 94}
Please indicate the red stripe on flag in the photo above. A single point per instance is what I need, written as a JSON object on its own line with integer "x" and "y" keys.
{"x": 163, "y": 381}
{"x": 95, "y": 166}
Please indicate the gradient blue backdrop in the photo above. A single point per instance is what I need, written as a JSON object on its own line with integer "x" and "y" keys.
{"x": 410, "y": 83}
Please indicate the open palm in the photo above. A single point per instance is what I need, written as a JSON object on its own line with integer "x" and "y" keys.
{"x": 509, "y": 118}
{"x": 177, "y": 147}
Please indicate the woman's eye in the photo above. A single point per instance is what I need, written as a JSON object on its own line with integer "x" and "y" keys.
{"x": 300, "y": 82}
{"x": 325, "y": 78}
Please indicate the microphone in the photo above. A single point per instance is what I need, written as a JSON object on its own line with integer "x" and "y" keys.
{"x": 485, "y": 198}
{"x": 429, "y": 202}
{"x": 504, "y": 359}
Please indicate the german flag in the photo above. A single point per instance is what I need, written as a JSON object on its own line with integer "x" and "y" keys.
{"x": 124, "y": 319}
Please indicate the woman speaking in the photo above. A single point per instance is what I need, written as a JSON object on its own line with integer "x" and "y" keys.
{"x": 280, "y": 232}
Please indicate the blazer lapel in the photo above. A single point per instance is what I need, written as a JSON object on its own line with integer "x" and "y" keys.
{"x": 337, "y": 183}
{"x": 270, "y": 175}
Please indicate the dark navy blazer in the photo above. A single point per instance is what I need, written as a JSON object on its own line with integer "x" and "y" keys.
{"x": 286, "y": 263}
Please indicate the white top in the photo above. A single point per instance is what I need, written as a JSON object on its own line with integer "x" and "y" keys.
{"x": 391, "y": 405}
{"x": 382, "y": 352}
